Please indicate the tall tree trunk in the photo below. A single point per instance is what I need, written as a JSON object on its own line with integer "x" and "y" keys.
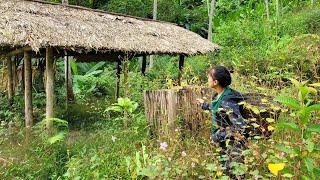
{"x": 155, "y": 9}
{"x": 68, "y": 75}
{"x": 277, "y": 8}
{"x": 267, "y": 9}
{"x": 211, "y": 14}
{"x": 66, "y": 2}
{"x": 154, "y": 17}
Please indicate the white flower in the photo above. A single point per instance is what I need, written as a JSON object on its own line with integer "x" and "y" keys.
{"x": 113, "y": 138}
{"x": 183, "y": 154}
{"x": 163, "y": 146}
{"x": 193, "y": 164}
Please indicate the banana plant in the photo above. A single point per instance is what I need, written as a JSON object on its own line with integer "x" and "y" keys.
{"x": 124, "y": 106}
{"x": 83, "y": 72}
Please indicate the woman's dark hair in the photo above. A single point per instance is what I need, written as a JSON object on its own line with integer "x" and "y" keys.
{"x": 221, "y": 74}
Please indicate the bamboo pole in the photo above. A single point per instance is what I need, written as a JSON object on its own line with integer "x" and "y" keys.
{"x": 10, "y": 80}
{"x": 49, "y": 87}
{"x": 211, "y": 16}
{"x": 28, "y": 89}
{"x": 267, "y": 9}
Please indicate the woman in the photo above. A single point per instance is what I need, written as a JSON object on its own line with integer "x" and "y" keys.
{"x": 229, "y": 126}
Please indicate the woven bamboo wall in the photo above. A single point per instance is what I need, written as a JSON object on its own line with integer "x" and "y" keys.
{"x": 170, "y": 109}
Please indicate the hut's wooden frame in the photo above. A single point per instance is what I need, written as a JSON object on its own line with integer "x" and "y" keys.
{"x": 51, "y": 53}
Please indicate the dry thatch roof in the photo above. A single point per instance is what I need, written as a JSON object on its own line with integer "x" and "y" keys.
{"x": 37, "y": 24}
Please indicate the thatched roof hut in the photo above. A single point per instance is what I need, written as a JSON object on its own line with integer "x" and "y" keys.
{"x": 39, "y": 24}
{"x": 30, "y": 27}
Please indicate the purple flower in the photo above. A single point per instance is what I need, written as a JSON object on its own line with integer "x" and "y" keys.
{"x": 163, "y": 146}
{"x": 282, "y": 155}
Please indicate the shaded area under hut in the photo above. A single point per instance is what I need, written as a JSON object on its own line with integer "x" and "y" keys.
{"x": 35, "y": 29}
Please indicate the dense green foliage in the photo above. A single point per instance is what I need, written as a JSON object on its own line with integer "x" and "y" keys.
{"x": 264, "y": 53}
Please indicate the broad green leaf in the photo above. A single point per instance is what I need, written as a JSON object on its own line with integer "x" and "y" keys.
{"x": 224, "y": 178}
{"x": 312, "y": 90}
{"x": 288, "y": 125}
{"x": 305, "y": 177}
{"x": 310, "y": 145}
{"x": 285, "y": 149}
{"x": 94, "y": 73}
{"x": 309, "y": 164}
{"x": 59, "y": 137}
{"x": 314, "y": 128}
{"x": 96, "y": 67}
{"x": 114, "y": 108}
{"x": 211, "y": 167}
{"x": 288, "y": 101}
{"x": 314, "y": 107}
{"x": 304, "y": 115}
{"x": 303, "y": 92}
{"x": 60, "y": 122}
{"x": 296, "y": 83}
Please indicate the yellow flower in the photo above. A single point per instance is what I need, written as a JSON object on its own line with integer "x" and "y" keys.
{"x": 275, "y": 168}
{"x": 270, "y": 128}
{"x": 219, "y": 173}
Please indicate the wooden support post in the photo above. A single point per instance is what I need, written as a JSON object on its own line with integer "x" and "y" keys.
{"x": 10, "y": 80}
{"x": 125, "y": 76}
{"x": 68, "y": 80}
{"x": 14, "y": 73}
{"x": 49, "y": 88}
{"x": 118, "y": 79}
{"x": 144, "y": 65}
{"x": 28, "y": 89}
{"x": 22, "y": 74}
{"x": 181, "y": 63}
